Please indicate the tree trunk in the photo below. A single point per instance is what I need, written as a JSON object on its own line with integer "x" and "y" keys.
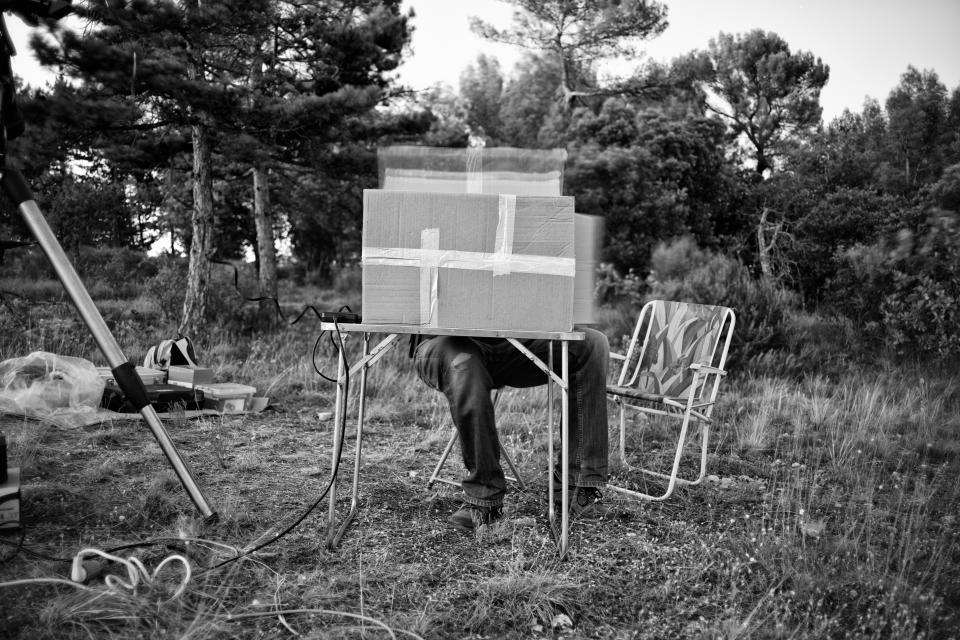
{"x": 764, "y": 249}
{"x": 262, "y": 213}
{"x": 266, "y": 248}
{"x": 198, "y": 274}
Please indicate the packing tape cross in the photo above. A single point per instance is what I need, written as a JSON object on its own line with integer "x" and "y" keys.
{"x": 429, "y": 276}
{"x": 503, "y": 244}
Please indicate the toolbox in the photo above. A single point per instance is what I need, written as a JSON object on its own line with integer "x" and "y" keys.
{"x": 163, "y": 398}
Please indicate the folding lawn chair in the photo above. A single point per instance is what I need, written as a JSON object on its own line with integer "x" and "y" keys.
{"x": 673, "y": 368}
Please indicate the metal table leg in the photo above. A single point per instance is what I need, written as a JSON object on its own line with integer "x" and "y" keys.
{"x": 339, "y": 418}
{"x": 561, "y": 535}
{"x": 334, "y": 533}
{"x": 564, "y": 439}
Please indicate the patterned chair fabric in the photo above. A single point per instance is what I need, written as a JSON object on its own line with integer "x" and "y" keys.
{"x": 680, "y": 334}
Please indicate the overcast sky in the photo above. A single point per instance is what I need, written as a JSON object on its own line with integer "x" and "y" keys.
{"x": 868, "y": 44}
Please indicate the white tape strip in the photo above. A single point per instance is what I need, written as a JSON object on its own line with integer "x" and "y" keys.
{"x": 474, "y": 260}
{"x": 474, "y": 169}
{"x": 503, "y": 243}
{"x": 429, "y": 276}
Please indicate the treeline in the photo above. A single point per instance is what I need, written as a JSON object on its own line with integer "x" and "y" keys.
{"x": 223, "y": 127}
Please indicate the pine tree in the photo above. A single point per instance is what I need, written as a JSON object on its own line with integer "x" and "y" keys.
{"x": 261, "y": 80}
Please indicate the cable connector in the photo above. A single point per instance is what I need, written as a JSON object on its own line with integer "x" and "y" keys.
{"x": 82, "y": 570}
{"x": 341, "y": 317}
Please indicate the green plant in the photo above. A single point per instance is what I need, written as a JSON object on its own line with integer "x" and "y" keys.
{"x": 905, "y": 291}
{"x": 763, "y": 309}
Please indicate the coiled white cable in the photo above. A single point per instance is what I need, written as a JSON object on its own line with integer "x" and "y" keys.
{"x": 136, "y": 571}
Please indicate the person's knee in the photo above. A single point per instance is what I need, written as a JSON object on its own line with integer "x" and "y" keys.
{"x": 596, "y": 341}
{"x": 447, "y": 362}
{"x": 465, "y": 370}
{"x": 596, "y": 348}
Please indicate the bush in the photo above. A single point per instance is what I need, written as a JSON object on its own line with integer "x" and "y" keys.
{"x": 617, "y": 290}
{"x": 120, "y": 269}
{"x": 761, "y": 307}
{"x": 905, "y": 292}
{"x": 167, "y": 287}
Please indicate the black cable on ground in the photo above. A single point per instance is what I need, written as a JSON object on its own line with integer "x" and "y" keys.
{"x": 342, "y": 427}
{"x": 338, "y": 344}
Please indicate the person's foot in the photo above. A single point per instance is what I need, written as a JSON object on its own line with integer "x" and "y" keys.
{"x": 585, "y": 503}
{"x": 470, "y": 517}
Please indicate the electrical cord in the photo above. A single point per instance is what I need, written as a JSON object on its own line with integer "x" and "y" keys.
{"x": 236, "y": 285}
{"x": 136, "y": 570}
{"x": 83, "y": 568}
{"x": 342, "y": 427}
{"x": 254, "y": 547}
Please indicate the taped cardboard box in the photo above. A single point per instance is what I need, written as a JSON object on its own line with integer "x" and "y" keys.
{"x": 468, "y": 261}
{"x": 146, "y": 375}
{"x": 588, "y": 236}
{"x": 491, "y": 170}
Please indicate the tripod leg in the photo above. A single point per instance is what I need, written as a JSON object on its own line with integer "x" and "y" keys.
{"x": 124, "y": 373}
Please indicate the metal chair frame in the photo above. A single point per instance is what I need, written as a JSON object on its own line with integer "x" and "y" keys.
{"x": 435, "y": 476}
{"x": 697, "y": 406}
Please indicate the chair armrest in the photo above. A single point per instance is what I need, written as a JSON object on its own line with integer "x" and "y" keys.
{"x": 705, "y": 368}
{"x": 617, "y": 356}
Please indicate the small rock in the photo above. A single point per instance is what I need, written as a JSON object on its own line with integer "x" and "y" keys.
{"x": 561, "y": 621}
{"x": 812, "y": 528}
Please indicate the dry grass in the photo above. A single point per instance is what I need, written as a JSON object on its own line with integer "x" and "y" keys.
{"x": 832, "y": 514}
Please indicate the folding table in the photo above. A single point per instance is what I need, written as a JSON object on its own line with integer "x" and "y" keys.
{"x": 371, "y": 356}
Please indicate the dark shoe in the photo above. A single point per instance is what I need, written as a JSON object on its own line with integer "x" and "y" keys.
{"x": 585, "y": 503}
{"x": 470, "y": 517}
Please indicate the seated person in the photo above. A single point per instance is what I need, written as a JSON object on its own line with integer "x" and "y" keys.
{"x": 467, "y": 369}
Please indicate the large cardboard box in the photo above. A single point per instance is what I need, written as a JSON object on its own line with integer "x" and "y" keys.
{"x": 468, "y": 261}
{"x": 588, "y": 234}
{"x": 491, "y": 170}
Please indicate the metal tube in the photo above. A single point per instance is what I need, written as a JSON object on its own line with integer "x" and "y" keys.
{"x": 565, "y": 444}
{"x": 551, "y": 507}
{"x": 355, "y": 494}
{"x": 105, "y": 340}
{"x": 340, "y": 408}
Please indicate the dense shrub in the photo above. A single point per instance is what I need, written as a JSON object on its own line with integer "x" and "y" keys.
{"x": 120, "y": 268}
{"x": 904, "y": 292}
{"x": 615, "y": 290}
{"x": 167, "y": 286}
{"x": 761, "y": 307}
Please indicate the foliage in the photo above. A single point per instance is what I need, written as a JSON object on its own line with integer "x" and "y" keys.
{"x": 830, "y": 509}
{"x": 682, "y": 272}
{"x": 904, "y": 291}
{"x": 670, "y": 178}
{"x": 577, "y": 34}
{"x": 918, "y": 127}
{"x": 614, "y": 288}
{"x": 481, "y": 86}
{"x": 769, "y": 94}
{"x": 326, "y": 209}
{"x": 529, "y": 100}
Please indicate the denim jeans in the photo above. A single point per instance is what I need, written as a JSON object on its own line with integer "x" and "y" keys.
{"x": 467, "y": 369}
